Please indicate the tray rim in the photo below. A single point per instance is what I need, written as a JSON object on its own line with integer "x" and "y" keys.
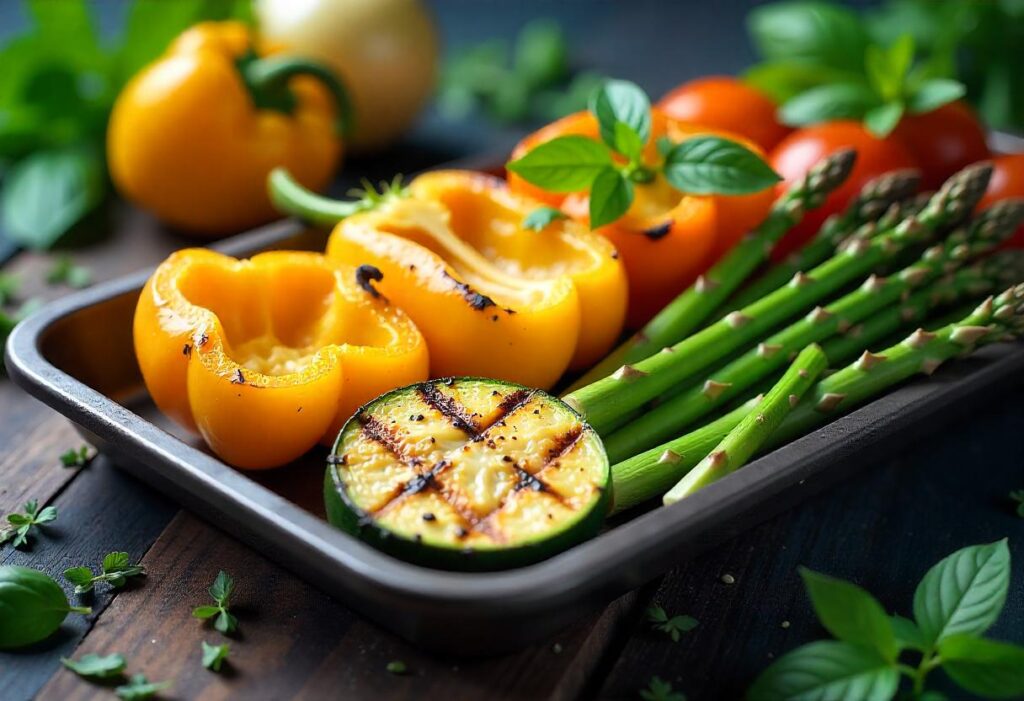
{"x": 603, "y": 567}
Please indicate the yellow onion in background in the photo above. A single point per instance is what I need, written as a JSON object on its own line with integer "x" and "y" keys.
{"x": 385, "y": 51}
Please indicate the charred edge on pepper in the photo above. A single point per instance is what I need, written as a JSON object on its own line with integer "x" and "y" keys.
{"x": 659, "y": 231}
{"x": 366, "y": 275}
{"x": 187, "y": 351}
{"x": 239, "y": 378}
{"x": 475, "y": 299}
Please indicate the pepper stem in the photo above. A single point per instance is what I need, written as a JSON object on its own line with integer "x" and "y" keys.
{"x": 84, "y": 610}
{"x": 267, "y": 80}
{"x": 289, "y": 197}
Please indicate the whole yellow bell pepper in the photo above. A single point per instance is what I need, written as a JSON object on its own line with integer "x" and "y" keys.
{"x": 474, "y": 222}
{"x": 267, "y": 356}
{"x": 193, "y": 136}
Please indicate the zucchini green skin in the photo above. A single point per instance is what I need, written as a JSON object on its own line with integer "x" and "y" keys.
{"x": 345, "y": 513}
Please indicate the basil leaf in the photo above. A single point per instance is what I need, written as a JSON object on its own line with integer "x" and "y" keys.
{"x": 964, "y": 592}
{"x": 850, "y": 613}
{"x": 32, "y": 606}
{"x": 988, "y": 668}
{"x": 139, "y": 688}
{"x": 827, "y": 102}
{"x": 827, "y": 669}
{"x": 610, "y": 197}
{"x": 621, "y": 102}
{"x": 907, "y": 634}
{"x": 881, "y": 120}
{"x": 205, "y": 611}
{"x": 564, "y": 164}
{"x": 214, "y": 655}
{"x": 81, "y": 577}
{"x": 48, "y": 192}
{"x": 541, "y": 54}
{"x": 93, "y": 666}
{"x": 932, "y": 94}
{"x": 115, "y": 561}
{"x": 812, "y": 32}
{"x": 784, "y": 80}
{"x": 541, "y": 217}
{"x": 707, "y": 165}
{"x": 887, "y": 68}
{"x": 627, "y": 142}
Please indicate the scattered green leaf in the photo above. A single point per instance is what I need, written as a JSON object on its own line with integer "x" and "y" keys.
{"x": 214, "y": 655}
{"x": 396, "y": 667}
{"x": 660, "y": 690}
{"x": 540, "y": 218}
{"x": 827, "y": 669}
{"x": 1017, "y": 495}
{"x": 76, "y": 457}
{"x": 116, "y": 569}
{"x": 22, "y": 524}
{"x": 220, "y": 591}
{"x": 673, "y": 626}
{"x": 988, "y": 668}
{"x": 94, "y": 666}
{"x": 64, "y": 271}
{"x": 33, "y": 606}
{"x": 138, "y": 688}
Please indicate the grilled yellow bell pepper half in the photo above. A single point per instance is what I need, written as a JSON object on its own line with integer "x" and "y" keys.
{"x": 268, "y": 356}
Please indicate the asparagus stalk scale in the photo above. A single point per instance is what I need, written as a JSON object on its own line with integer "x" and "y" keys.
{"x": 996, "y": 272}
{"x": 687, "y": 311}
{"x": 879, "y": 206}
{"x": 646, "y": 475}
{"x": 983, "y": 234}
{"x": 755, "y": 428}
{"x": 608, "y": 400}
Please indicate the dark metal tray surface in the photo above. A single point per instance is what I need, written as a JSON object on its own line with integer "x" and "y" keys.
{"x": 76, "y": 355}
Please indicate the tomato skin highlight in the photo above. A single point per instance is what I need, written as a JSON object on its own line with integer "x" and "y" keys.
{"x": 723, "y": 102}
{"x": 943, "y": 141}
{"x": 795, "y": 155}
{"x": 1007, "y": 181}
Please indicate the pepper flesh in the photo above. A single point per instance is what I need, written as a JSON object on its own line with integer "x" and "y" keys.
{"x": 477, "y": 319}
{"x": 187, "y": 141}
{"x": 268, "y": 356}
{"x": 489, "y": 217}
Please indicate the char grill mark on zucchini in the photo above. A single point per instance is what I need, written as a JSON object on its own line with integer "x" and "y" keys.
{"x": 471, "y": 466}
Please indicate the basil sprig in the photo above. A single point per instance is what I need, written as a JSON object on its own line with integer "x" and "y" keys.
{"x": 956, "y": 602}
{"x": 609, "y": 169}
{"x": 822, "y": 63}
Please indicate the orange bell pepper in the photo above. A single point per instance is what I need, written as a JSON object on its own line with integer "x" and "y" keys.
{"x": 477, "y": 319}
{"x": 667, "y": 238}
{"x": 267, "y": 356}
{"x": 193, "y": 136}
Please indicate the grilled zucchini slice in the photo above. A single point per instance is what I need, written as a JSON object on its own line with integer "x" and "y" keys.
{"x": 469, "y": 474}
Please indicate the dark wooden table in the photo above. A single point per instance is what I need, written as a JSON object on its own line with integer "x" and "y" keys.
{"x": 883, "y": 528}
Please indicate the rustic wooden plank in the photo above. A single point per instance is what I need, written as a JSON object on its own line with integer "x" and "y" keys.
{"x": 297, "y": 643}
{"x": 883, "y": 529}
{"x": 100, "y": 511}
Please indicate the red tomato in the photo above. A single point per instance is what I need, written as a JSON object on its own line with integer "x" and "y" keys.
{"x": 795, "y": 155}
{"x": 726, "y": 103}
{"x": 943, "y": 141}
{"x": 1007, "y": 181}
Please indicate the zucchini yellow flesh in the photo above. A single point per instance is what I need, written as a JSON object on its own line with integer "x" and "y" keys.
{"x": 469, "y": 474}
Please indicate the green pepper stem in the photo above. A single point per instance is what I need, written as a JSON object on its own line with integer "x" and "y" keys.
{"x": 289, "y": 197}
{"x": 267, "y": 80}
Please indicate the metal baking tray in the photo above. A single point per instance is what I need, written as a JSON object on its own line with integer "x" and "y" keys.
{"x": 76, "y": 355}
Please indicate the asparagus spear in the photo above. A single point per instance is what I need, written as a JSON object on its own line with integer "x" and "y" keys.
{"x": 983, "y": 234}
{"x": 881, "y": 204}
{"x": 755, "y": 428}
{"x": 686, "y": 312}
{"x": 986, "y": 276}
{"x": 645, "y": 476}
{"x": 604, "y": 403}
